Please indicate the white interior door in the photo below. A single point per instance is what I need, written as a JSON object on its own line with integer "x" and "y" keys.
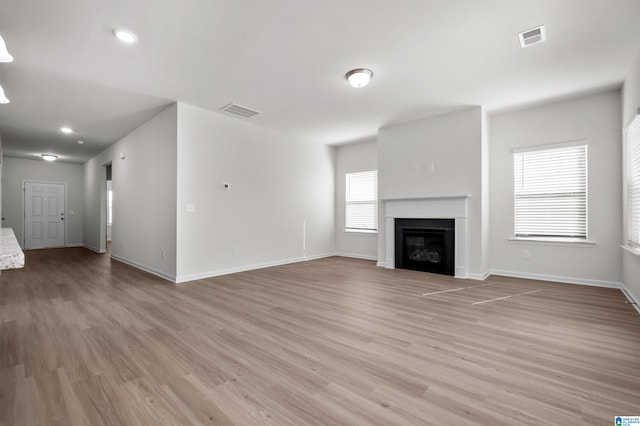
{"x": 44, "y": 218}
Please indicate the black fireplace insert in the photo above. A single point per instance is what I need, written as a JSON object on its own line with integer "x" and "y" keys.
{"x": 425, "y": 245}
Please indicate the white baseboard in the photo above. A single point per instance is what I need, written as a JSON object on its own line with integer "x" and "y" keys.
{"x": 144, "y": 268}
{"x": 630, "y": 298}
{"x": 357, "y": 256}
{"x": 227, "y": 271}
{"x": 478, "y": 277}
{"x": 380, "y": 264}
{"x": 92, "y": 248}
{"x": 75, "y": 245}
{"x": 557, "y": 278}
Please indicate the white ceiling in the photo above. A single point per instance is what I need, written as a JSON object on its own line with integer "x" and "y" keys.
{"x": 287, "y": 59}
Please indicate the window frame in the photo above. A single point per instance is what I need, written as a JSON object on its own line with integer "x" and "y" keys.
{"x": 348, "y": 202}
{"x": 632, "y": 185}
{"x": 551, "y": 238}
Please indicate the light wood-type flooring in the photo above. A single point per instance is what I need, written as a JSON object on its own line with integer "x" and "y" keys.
{"x": 87, "y": 340}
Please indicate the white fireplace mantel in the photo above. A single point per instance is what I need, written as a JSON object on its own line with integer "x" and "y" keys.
{"x": 442, "y": 207}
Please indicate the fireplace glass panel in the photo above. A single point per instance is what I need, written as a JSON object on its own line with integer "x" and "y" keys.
{"x": 425, "y": 245}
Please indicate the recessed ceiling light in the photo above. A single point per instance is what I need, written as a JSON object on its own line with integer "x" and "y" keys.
{"x": 125, "y": 36}
{"x": 5, "y": 56}
{"x": 3, "y": 97}
{"x": 532, "y": 36}
{"x": 66, "y": 130}
{"x": 49, "y": 157}
{"x": 359, "y": 77}
{"x": 80, "y": 142}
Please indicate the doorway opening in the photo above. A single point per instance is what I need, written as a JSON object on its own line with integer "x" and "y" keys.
{"x": 109, "y": 205}
{"x": 44, "y": 210}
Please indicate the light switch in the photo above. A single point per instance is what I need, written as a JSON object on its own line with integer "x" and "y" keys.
{"x": 191, "y": 208}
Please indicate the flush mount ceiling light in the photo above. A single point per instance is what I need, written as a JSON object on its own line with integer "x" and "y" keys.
{"x": 125, "y": 36}
{"x": 5, "y": 56}
{"x": 3, "y": 98}
{"x": 49, "y": 157}
{"x": 66, "y": 130}
{"x": 359, "y": 77}
{"x": 80, "y": 142}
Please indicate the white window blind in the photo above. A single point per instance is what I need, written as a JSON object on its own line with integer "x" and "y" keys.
{"x": 362, "y": 201}
{"x": 550, "y": 192}
{"x": 633, "y": 182}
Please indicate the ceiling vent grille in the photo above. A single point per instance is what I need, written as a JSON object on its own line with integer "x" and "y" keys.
{"x": 239, "y": 110}
{"x": 532, "y": 36}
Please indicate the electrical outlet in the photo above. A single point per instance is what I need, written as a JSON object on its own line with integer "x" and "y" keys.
{"x": 526, "y": 254}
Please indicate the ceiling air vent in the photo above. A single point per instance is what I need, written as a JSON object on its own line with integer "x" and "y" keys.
{"x": 236, "y": 109}
{"x": 533, "y": 36}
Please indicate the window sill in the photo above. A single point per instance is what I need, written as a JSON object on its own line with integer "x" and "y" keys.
{"x": 568, "y": 242}
{"x": 631, "y": 249}
{"x": 359, "y": 231}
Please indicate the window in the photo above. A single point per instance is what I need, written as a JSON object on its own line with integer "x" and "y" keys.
{"x": 633, "y": 182}
{"x": 362, "y": 201}
{"x": 550, "y": 192}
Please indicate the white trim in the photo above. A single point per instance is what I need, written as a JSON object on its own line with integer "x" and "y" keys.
{"x": 478, "y": 277}
{"x": 380, "y": 264}
{"x": 630, "y": 298}
{"x": 95, "y": 249}
{"x": 360, "y": 231}
{"x": 438, "y": 207}
{"x": 566, "y": 242}
{"x": 74, "y": 245}
{"x": 566, "y": 144}
{"x": 433, "y": 197}
{"x": 357, "y": 256}
{"x": 557, "y": 278}
{"x": 633, "y": 250}
{"x": 210, "y": 274}
{"x": 144, "y": 268}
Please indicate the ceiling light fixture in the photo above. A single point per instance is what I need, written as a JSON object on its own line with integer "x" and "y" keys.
{"x": 5, "y": 56}
{"x": 49, "y": 157}
{"x": 66, "y": 130}
{"x": 359, "y": 77}
{"x": 80, "y": 142}
{"x": 3, "y": 97}
{"x": 125, "y": 36}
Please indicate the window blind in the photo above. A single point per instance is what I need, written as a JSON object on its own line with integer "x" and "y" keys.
{"x": 550, "y": 192}
{"x": 633, "y": 182}
{"x": 362, "y": 201}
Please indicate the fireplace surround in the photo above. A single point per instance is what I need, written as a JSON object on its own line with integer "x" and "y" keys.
{"x": 439, "y": 207}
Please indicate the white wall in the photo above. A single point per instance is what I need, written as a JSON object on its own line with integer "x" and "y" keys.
{"x": 17, "y": 170}
{"x": 596, "y": 119}
{"x": 276, "y": 183}
{"x": 631, "y": 105}
{"x": 453, "y": 143}
{"x": 359, "y": 157}
{"x": 144, "y": 188}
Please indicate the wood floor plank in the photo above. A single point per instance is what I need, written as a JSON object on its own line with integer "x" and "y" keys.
{"x": 88, "y": 340}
